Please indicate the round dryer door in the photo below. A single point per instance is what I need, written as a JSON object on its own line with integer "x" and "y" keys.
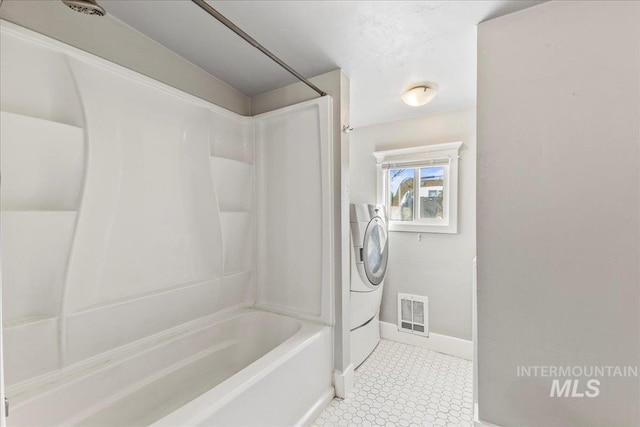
{"x": 375, "y": 251}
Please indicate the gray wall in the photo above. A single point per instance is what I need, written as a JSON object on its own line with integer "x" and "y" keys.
{"x": 440, "y": 265}
{"x": 558, "y": 209}
{"x": 111, "y": 39}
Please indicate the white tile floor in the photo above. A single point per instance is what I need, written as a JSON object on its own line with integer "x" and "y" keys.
{"x": 403, "y": 385}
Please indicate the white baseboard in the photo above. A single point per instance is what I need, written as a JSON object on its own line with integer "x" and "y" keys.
{"x": 442, "y": 343}
{"x": 477, "y": 423}
{"x": 343, "y": 381}
{"x": 476, "y": 420}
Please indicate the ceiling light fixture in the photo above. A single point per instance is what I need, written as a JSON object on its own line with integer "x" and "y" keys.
{"x": 420, "y": 95}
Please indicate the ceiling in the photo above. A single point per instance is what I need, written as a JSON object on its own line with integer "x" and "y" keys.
{"x": 385, "y": 47}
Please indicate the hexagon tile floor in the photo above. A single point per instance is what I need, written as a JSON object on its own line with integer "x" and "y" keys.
{"x": 403, "y": 385}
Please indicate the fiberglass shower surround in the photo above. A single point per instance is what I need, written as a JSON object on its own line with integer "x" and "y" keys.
{"x": 135, "y": 215}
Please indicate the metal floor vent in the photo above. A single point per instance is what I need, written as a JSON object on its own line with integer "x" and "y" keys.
{"x": 413, "y": 314}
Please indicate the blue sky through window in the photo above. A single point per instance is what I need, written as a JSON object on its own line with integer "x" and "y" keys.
{"x": 397, "y": 176}
{"x": 436, "y": 172}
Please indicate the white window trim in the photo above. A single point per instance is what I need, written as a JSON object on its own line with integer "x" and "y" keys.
{"x": 416, "y": 157}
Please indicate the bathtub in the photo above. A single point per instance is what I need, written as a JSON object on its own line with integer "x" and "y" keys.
{"x": 246, "y": 368}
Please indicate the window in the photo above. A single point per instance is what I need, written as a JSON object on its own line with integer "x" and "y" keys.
{"x": 419, "y": 187}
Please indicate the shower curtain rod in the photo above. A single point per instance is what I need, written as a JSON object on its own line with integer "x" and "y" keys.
{"x": 233, "y": 27}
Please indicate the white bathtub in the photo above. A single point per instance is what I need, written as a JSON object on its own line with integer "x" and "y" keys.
{"x": 247, "y": 368}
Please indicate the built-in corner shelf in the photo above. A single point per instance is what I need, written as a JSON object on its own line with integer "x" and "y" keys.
{"x": 231, "y": 138}
{"x": 30, "y": 347}
{"x": 42, "y": 163}
{"x": 233, "y": 180}
{"x": 42, "y": 167}
{"x": 53, "y": 125}
{"x": 239, "y": 272}
{"x": 26, "y": 322}
{"x": 39, "y": 212}
{"x": 34, "y": 259}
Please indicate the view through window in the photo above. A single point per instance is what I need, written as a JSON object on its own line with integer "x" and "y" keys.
{"x": 430, "y": 195}
{"x": 419, "y": 187}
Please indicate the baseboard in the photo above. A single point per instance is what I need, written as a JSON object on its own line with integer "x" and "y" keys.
{"x": 478, "y": 423}
{"x": 343, "y": 381}
{"x": 442, "y": 343}
{"x": 476, "y": 419}
{"x": 315, "y": 411}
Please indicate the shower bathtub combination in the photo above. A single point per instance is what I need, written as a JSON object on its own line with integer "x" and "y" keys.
{"x": 148, "y": 239}
{"x": 208, "y": 372}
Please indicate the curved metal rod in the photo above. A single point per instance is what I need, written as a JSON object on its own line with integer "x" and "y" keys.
{"x": 233, "y": 27}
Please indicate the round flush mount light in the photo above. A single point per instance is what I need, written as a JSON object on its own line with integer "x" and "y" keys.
{"x": 420, "y": 95}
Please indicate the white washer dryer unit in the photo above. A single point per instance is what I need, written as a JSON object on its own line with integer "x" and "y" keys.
{"x": 369, "y": 254}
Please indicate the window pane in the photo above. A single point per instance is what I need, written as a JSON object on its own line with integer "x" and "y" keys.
{"x": 431, "y": 192}
{"x": 401, "y": 189}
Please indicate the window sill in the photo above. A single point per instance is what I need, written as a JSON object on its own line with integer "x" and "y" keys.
{"x": 424, "y": 228}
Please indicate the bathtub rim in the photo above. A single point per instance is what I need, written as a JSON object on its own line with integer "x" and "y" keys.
{"x": 24, "y": 393}
{"x": 217, "y": 397}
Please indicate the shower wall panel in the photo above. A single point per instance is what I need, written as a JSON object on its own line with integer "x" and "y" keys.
{"x": 149, "y": 220}
{"x": 112, "y": 227}
{"x": 294, "y": 210}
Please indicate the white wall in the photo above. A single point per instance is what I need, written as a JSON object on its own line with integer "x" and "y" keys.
{"x": 111, "y": 39}
{"x": 558, "y": 209}
{"x": 440, "y": 265}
